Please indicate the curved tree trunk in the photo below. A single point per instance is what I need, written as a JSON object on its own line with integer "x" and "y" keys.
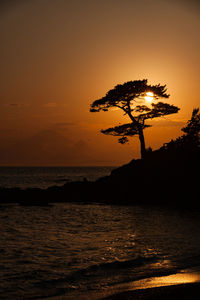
{"x": 140, "y": 132}
{"x": 142, "y": 143}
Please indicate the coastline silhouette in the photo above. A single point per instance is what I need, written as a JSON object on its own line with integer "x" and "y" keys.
{"x": 167, "y": 176}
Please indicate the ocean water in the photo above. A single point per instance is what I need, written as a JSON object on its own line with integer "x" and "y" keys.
{"x": 43, "y": 177}
{"x": 73, "y": 250}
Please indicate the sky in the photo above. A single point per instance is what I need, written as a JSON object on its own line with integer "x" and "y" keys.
{"x": 57, "y": 57}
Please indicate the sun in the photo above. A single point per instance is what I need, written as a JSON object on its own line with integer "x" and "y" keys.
{"x": 149, "y": 97}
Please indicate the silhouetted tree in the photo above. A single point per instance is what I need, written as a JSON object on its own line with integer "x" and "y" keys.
{"x": 130, "y": 98}
{"x": 192, "y": 129}
{"x": 190, "y": 140}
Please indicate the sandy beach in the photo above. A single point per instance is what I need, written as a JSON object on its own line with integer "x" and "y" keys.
{"x": 184, "y": 285}
{"x": 187, "y": 291}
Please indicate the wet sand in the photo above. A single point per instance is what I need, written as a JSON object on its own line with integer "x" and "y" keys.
{"x": 189, "y": 291}
{"x": 184, "y": 285}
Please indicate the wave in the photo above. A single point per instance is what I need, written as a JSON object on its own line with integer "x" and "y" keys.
{"x": 188, "y": 262}
{"x": 105, "y": 269}
{"x": 112, "y": 266}
{"x": 109, "y": 274}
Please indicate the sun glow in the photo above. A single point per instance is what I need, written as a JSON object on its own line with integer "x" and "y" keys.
{"x": 149, "y": 97}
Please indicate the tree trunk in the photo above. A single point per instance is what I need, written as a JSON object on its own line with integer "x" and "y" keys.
{"x": 142, "y": 143}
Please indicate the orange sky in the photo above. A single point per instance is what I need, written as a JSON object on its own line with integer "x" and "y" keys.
{"x": 59, "y": 56}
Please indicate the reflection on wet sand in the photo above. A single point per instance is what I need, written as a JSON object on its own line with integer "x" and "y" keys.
{"x": 184, "y": 285}
{"x": 175, "y": 279}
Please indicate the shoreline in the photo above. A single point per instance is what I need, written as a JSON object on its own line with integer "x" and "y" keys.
{"x": 187, "y": 291}
{"x": 184, "y": 285}
{"x": 176, "y": 286}
{"x": 173, "y": 170}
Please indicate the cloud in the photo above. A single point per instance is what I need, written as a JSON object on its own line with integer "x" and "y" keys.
{"x": 62, "y": 126}
{"x": 17, "y": 105}
{"x": 13, "y": 104}
{"x": 167, "y": 123}
{"x": 50, "y": 104}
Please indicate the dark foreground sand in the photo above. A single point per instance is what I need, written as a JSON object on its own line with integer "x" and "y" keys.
{"x": 184, "y": 285}
{"x": 187, "y": 291}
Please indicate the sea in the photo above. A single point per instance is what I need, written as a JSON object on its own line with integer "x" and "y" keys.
{"x": 44, "y": 177}
{"x": 84, "y": 251}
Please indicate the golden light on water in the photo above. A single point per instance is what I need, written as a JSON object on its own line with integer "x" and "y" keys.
{"x": 149, "y": 97}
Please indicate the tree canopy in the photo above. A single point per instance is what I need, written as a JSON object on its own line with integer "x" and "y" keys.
{"x": 190, "y": 140}
{"x": 130, "y": 98}
{"x": 193, "y": 125}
